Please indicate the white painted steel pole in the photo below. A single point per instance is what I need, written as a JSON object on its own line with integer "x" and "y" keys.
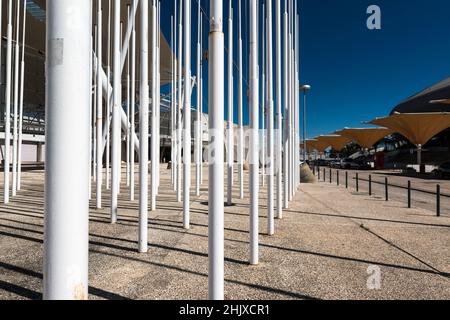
{"x": 230, "y": 145}
{"x": 158, "y": 96}
{"x": 216, "y": 170}
{"x": 132, "y": 112}
{"x": 240, "y": 112}
{"x": 254, "y": 139}
{"x": 175, "y": 99}
{"x": 263, "y": 97}
{"x": 16, "y": 99}
{"x": 99, "y": 105}
{"x": 180, "y": 101}
{"x": 199, "y": 113}
{"x": 116, "y": 130}
{"x": 143, "y": 131}
{"x": 187, "y": 116}
{"x": 22, "y": 79}
{"x": 66, "y": 232}
{"x": 200, "y": 84}
{"x": 94, "y": 111}
{"x": 279, "y": 127}
{"x": 172, "y": 107}
{"x": 8, "y": 103}
{"x": 154, "y": 136}
{"x": 270, "y": 124}
{"x": 108, "y": 101}
{"x": 286, "y": 112}
{"x": 128, "y": 129}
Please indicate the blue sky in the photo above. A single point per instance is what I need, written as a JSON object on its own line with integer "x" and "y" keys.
{"x": 357, "y": 74}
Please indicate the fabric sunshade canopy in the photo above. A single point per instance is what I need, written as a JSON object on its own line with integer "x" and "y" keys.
{"x": 365, "y": 137}
{"x": 317, "y": 144}
{"x": 311, "y": 145}
{"x": 418, "y": 128}
{"x": 335, "y": 141}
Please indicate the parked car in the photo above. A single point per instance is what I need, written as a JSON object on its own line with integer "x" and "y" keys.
{"x": 355, "y": 164}
{"x": 443, "y": 170}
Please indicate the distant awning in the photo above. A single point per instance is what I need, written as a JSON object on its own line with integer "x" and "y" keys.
{"x": 365, "y": 137}
{"x": 311, "y": 145}
{"x": 418, "y": 128}
{"x": 316, "y": 144}
{"x": 334, "y": 141}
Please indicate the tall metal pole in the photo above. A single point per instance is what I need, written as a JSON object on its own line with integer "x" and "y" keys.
{"x": 143, "y": 132}
{"x": 8, "y": 103}
{"x": 270, "y": 124}
{"x": 94, "y": 106}
{"x": 175, "y": 99}
{"x": 263, "y": 95}
{"x": 128, "y": 129}
{"x": 16, "y": 99}
{"x": 187, "y": 115}
{"x": 200, "y": 124}
{"x": 230, "y": 144}
{"x": 197, "y": 137}
{"x": 22, "y": 75}
{"x": 67, "y": 138}
{"x": 240, "y": 112}
{"x": 108, "y": 103}
{"x": 279, "y": 136}
{"x": 154, "y": 137}
{"x": 158, "y": 95}
{"x": 216, "y": 174}
{"x": 99, "y": 106}
{"x": 116, "y": 130}
{"x": 180, "y": 101}
{"x": 132, "y": 112}
{"x": 286, "y": 111}
{"x": 254, "y": 139}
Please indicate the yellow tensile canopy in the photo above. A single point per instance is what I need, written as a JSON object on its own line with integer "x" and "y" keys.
{"x": 418, "y": 128}
{"x": 334, "y": 141}
{"x": 314, "y": 144}
{"x": 365, "y": 137}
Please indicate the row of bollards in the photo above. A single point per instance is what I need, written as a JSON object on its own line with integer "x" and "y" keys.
{"x": 386, "y": 187}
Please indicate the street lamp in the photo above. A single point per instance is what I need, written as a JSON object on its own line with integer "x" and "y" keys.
{"x": 305, "y": 88}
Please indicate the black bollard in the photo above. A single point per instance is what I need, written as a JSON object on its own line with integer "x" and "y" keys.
{"x": 409, "y": 194}
{"x": 346, "y": 179}
{"x": 357, "y": 182}
{"x": 438, "y": 200}
{"x": 337, "y": 177}
{"x": 370, "y": 184}
{"x": 386, "y": 188}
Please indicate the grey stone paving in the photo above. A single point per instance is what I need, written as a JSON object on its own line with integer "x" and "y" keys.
{"x": 322, "y": 248}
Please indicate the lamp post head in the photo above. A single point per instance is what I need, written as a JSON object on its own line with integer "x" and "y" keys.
{"x": 305, "y": 87}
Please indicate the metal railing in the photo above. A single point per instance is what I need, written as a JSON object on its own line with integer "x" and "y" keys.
{"x": 327, "y": 174}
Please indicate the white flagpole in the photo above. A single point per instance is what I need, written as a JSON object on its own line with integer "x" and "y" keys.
{"x": 16, "y": 99}
{"x": 99, "y": 106}
{"x": 187, "y": 116}
{"x": 254, "y": 139}
{"x": 22, "y": 79}
{"x": 8, "y": 103}
{"x": 279, "y": 136}
{"x": 230, "y": 145}
{"x": 240, "y": 112}
{"x": 270, "y": 121}
{"x": 143, "y": 132}
{"x": 216, "y": 174}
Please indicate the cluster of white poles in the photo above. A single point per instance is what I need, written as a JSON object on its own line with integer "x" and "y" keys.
{"x": 85, "y": 119}
{"x": 14, "y": 92}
